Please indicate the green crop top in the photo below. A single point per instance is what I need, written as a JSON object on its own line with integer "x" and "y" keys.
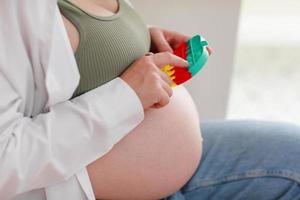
{"x": 108, "y": 45}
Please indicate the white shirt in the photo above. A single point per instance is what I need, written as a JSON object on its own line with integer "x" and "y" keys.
{"x": 47, "y": 140}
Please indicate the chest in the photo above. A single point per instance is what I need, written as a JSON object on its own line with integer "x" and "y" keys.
{"x": 98, "y": 7}
{"x": 104, "y": 46}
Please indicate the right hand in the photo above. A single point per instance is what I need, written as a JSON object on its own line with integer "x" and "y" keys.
{"x": 151, "y": 84}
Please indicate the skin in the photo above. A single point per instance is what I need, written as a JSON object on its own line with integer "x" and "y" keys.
{"x": 160, "y": 155}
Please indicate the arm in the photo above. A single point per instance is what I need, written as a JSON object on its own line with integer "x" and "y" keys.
{"x": 49, "y": 148}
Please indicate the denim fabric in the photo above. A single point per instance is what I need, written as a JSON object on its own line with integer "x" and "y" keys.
{"x": 246, "y": 160}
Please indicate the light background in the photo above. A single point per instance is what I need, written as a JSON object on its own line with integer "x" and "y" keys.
{"x": 260, "y": 79}
{"x": 266, "y": 78}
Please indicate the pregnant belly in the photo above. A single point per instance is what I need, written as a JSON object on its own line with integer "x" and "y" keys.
{"x": 156, "y": 159}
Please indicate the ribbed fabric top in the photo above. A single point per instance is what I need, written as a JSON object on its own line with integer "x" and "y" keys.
{"x": 108, "y": 45}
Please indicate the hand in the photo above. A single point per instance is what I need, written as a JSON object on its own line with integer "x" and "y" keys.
{"x": 151, "y": 84}
{"x": 166, "y": 40}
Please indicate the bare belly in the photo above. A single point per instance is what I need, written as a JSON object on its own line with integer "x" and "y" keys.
{"x": 156, "y": 159}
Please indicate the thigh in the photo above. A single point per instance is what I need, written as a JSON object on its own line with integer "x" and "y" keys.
{"x": 246, "y": 160}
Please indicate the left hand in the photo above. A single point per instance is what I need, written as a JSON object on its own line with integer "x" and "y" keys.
{"x": 166, "y": 40}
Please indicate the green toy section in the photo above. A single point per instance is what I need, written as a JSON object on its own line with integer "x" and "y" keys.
{"x": 196, "y": 53}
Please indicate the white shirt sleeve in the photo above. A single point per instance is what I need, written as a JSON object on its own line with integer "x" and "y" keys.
{"x": 40, "y": 151}
{"x": 51, "y": 147}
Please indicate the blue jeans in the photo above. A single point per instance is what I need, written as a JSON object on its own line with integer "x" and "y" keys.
{"x": 246, "y": 160}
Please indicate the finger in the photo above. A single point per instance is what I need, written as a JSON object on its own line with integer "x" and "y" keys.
{"x": 167, "y": 89}
{"x": 165, "y": 77}
{"x": 166, "y": 58}
{"x": 156, "y": 106}
{"x": 210, "y": 50}
{"x": 164, "y": 100}
{"x": 160, "y": 42}
{"x": 177, "y": 39}
{"x": 149, "y": 54}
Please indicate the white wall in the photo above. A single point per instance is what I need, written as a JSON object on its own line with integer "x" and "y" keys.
{"x": 217, "y": 21}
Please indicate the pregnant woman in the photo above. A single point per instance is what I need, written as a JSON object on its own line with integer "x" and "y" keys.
{"x": 120, "y": 132}
{"x": 159, "y": 156}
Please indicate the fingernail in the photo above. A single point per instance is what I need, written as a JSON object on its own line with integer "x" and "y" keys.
{"x": 149, "y": 54}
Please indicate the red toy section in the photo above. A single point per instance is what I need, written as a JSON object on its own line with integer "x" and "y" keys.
{"x": 181, "y": 74}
